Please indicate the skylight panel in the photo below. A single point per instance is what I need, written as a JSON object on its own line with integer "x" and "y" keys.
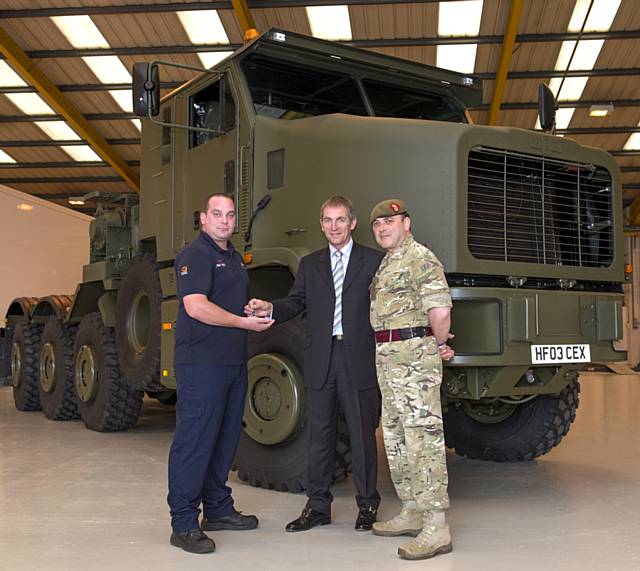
{"x": 8, "y": 77}
{"x": 80, "y": 31}
{"x": 58, "y": 130}
{"x": 209, "y": 59}
{"x": 5, "y": 158}
{"x": 108, "y": 69}
{"x": 600, "y": 18}
{"x": 461, "y": 58}
{"x": 124, "y": 98}
{"x": 571, "y": 90}
{"x": 203, "y": 27}
{"x": 563, "y": 118}
{"x": 137, "y": 124}
{"x": 330, "y": 22}
{"x": 81, "y": 153}
{"x": 633, "y": 142}
{"x": 458, "y": 19}
{"x": 30, "y": 103}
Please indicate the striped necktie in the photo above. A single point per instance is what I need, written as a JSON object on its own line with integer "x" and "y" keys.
{"x": 338, "y": 280}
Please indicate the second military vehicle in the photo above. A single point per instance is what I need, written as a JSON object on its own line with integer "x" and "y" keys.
{"x": 528, "y": 226}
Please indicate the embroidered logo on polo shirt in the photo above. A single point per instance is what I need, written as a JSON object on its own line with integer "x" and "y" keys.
{"x": 184, "y": 270}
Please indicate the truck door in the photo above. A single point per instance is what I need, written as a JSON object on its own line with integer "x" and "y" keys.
{"x": 211, "y": 158}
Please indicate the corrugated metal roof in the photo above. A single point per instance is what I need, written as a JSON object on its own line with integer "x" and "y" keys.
{"x": 391, "y": 25}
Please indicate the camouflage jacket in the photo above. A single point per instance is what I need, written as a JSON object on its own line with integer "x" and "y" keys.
{"x": 406, "y": 286}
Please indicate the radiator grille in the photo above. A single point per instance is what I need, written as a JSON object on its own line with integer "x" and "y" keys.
{"x": 527, "y": 208}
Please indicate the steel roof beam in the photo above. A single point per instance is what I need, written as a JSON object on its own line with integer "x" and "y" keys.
{"x": 581, "y": 104}
{"x": 505, "y": 60}
{"x": 82, "y": 87}
{"x": 89, "y": 117}
{"x": 60, "y": 165}
{"x": 32, "y": 74}
{"x": 64, "y": 179}
{"x": 53, "y": 143}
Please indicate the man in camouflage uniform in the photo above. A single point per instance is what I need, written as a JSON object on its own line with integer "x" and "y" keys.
{"x": 411, "y": 315}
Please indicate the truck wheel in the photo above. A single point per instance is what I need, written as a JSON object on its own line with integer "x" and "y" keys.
{"x": 106, "y": 401}
{"x": 55, "y": 371}
{"x": 24, "y": 365}
{"x": 138, "y": 323}
{"x": 275, "y": 438}
{"x": 503, "y": 432}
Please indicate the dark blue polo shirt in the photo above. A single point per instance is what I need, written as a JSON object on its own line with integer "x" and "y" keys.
{"x": 204, "y": 267}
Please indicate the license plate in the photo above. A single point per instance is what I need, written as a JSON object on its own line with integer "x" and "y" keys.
{"x": 544, "y": 354}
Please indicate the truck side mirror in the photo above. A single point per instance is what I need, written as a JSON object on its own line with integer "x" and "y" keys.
{"x": 547, "y": 106}
{"x": 146, "y": 89}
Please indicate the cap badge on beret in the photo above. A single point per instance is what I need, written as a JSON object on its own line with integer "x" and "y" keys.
{"x": 394, "y": 206}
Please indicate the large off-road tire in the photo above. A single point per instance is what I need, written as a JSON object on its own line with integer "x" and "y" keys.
{"x": 275, "y": 438}
{"x": 106, "y": 400}
{"x": 24, "y": 365}
{"x": 55, "y": 371}
{"x": 138, "y": 324}
{"x": 525, "y": 431}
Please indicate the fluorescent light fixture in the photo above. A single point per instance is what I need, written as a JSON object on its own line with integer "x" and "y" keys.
{"x": 203, "y": 27}
{"x": 459, "y": 18}
{"x": 600, "y": 110}
{"x": 81, "y": 153}
{"x": 24, "y": 207}
{"x": 600, "y": 18}
{"x": 30, "y": 103}
{"x": 80, "y": 31}
{"x": 461, "y": 58}
{"x": 209, "y": 59}
{"x": 633, "y": 142}
{"x": 124, "y": 99}
{"x": 8, "y": 77}
{"x": 330, "y": 22}
{"x": 76, "y": 200}
{"x": 108, "y": 69}
{"x": 5, "y": 158}
{"x": 58, "y": 130}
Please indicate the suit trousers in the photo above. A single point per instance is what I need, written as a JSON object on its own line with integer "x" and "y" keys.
{"x": 360, "y": 409}
{"x": 208, "y": 423}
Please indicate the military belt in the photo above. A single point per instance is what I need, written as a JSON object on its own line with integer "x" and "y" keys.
{"x": 388, "y": 335}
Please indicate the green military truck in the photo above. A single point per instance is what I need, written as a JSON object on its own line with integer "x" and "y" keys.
{"x": 528, "y": 226}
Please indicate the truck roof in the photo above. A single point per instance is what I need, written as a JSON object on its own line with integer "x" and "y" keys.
{"x": 282, "y": 44}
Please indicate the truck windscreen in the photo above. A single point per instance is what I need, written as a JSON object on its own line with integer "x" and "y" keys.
{"x": 288, "y": 90}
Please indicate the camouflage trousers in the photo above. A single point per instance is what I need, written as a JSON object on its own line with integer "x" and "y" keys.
{"x": 409, "y": 375}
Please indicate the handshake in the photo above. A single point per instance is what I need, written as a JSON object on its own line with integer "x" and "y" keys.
{"x": 258, "y": 308}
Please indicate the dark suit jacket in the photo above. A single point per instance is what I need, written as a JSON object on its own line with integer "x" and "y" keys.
{"x": 313, "y": 291}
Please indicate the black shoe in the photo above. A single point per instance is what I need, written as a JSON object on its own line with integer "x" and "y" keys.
{"x": 308, "y": 518}
{"x": 235, "y": 521}
{"x": 193, "y": 541}
{"x": 366, "y": 518}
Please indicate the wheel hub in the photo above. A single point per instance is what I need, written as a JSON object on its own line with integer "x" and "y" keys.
{"x": 138, "y": 322}
{"x": 16, "y": 364}
{"x": 47, "y": 368}
{"x": 86, "y": 373}
{"x": 274, "y": 409}
{"x": 488, "y": 412}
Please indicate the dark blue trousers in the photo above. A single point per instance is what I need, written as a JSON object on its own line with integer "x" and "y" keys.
{"x": 208, "y": 422}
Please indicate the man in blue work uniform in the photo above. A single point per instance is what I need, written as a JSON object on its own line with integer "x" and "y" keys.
{"x": 211, "y": 379}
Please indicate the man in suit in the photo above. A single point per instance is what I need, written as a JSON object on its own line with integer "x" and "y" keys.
{"x": 332, "y": 286}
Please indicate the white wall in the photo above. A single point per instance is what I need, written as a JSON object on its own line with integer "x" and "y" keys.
{"x": 43, "y": 247}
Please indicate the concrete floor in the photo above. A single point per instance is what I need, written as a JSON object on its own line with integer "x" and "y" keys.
{"x": 72, "y": 499}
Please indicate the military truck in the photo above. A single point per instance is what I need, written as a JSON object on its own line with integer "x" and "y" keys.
{"x": 528, "y": 226}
